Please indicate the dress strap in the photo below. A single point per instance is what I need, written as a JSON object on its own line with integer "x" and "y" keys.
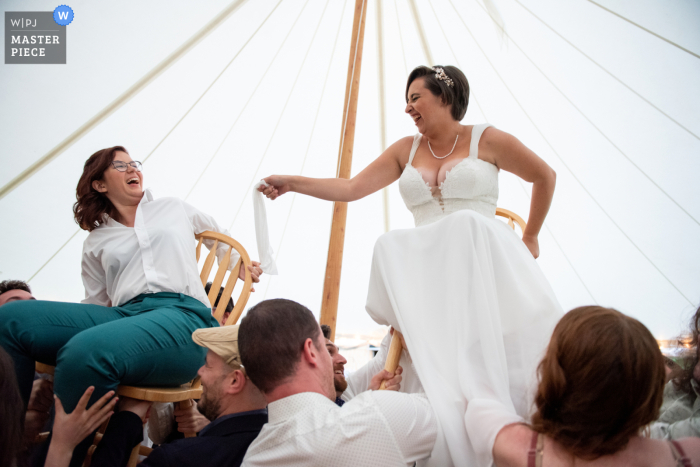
{"x": 477, "y": 131}
{"x": 534, "y": 455}
{"x": 414, "y": 148}
{"x": 679, "y": 455}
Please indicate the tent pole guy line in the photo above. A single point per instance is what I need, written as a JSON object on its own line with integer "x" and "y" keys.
{"x": 520, "y": 181}
{"x": 566, "y": 257}
{"x": 54, "y": 255}
{"x": 212, "y": 83}
{"x": 564, "y": 162}
{"x": 596, "y": 126}
{"x": 308, "y": 144}
{"x": 403, "y": 51}
{"x": 169, "y": 132}
{"x": 645, "y": 29}
{"x": 122, "y": 99}
{"x": 471, "y": 91}
{"x": 279, "y": 119}
{"x": 245, "y": 106}
{"x": 606, "y": 71}
{"x": 382, "y": 106}
{"x": 421, "y": 33}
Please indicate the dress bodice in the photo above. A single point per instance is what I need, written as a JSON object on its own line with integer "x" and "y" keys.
{"x": 470, "y": 184}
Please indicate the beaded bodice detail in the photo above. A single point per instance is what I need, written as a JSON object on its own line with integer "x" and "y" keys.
{"x": 470, "y": 184}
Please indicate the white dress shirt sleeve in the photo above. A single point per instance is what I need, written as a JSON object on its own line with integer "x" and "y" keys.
{"x": 202, "y": 222}
{"x": 94, "y": 281}
{"x": 358, "y": 382}
{"x": 412, "y": 422}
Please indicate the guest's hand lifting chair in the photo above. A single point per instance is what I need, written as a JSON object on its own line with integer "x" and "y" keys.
{"x": 182, "y": 395}
{"x": 394, "y": 353}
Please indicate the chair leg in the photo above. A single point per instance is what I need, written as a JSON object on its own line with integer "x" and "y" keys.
{"x": 134, "y": 457}
{"x": 186, "y": 404}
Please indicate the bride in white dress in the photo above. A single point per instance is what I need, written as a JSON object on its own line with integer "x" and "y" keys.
{"x": 474, "y": 308}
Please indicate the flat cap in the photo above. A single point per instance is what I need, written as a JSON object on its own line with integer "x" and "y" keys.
{"x": 223, "y": 341}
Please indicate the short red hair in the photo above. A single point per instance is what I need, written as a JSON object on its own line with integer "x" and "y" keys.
{"x": 601, "y": 380}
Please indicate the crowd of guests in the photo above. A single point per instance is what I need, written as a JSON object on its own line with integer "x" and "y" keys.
{"x": 275, "y": 393}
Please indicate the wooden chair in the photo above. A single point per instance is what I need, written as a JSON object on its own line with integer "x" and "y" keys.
{"x": 182, "y": 395}
{"x": 511, "y": 216}
{"x": 394, "y": 353}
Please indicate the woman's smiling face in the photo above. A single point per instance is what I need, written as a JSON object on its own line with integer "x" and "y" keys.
{"x": 423, "y": 106}
{"x": 121, "y": 187}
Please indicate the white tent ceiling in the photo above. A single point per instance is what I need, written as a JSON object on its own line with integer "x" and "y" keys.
{"x": 606, "y": 92}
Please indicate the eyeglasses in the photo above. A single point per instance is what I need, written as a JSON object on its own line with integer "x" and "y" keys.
{"x": 123, "y": 166}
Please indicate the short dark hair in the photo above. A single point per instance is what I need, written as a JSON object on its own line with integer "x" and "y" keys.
{"x": 601, "y": 380}
{"x": 326, "y": 330}
{"x": 456, "y": 95}
{"x": 6, "y": 286}
{"x": 229, "y": 305}
{"x": 271, "y": 338}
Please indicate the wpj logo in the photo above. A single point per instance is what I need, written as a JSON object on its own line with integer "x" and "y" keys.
{"x": 37, "y": 36}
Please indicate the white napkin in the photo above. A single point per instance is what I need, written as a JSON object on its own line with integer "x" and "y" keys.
{"x": 262, "y": 234}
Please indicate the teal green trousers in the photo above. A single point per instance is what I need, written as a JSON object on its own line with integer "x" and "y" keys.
{"x": 147, "y": 341}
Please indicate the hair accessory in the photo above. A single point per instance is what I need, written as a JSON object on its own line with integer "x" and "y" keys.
{"x": 442, "y": 76}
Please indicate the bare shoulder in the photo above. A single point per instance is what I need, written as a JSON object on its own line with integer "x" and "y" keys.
{"x": 691, "y": 447}
{"x": 493, "y": 138}
{"x": 403, "y": 145}
{"x": 400, "y": 150}
{"x": 511, "y": 446}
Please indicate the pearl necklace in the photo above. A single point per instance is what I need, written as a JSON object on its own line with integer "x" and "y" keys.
{"x": 453, "y": 148}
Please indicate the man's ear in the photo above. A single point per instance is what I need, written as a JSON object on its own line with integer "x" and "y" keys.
{"x": 99, "y": 185}
{"x": 236, "y": 382}
{"x": 309, "y": 353}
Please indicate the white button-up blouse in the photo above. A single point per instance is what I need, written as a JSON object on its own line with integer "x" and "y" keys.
{"x": 156, "y": 255}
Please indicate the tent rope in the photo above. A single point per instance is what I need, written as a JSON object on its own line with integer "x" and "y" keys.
{"x": 564, "y": 163}
{"x": 606, "y": 71}
{"x": 556, "y": 242}
{"x": 648, "y": 177}
{"x": 471, "y": 91}
{"x": 403, "y": 51}
{"x": 645, "y": 29}
{"x": 212, "y": 83}
{"x": 274, "y": 131}
{"x": 382, "y": 107}
{"x": 308, "y": 144}
{"x": 245, "y": 106}
{"x": 122, "y": 99}
{"x": 421, "y": 33}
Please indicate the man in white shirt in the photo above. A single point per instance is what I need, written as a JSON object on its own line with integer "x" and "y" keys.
{"x": 284, "y": 354}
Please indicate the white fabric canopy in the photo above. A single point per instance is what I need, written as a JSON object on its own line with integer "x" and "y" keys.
{"x": 606, "y": 92}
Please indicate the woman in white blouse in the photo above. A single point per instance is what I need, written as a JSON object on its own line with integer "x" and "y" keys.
{"x": 143, "y": 294}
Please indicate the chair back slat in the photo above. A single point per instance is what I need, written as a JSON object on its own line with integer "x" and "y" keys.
{"x": 219, "y": 278}
{"x": 228, "y": 290}
{"x": 242, "y": 299}
{"x": 208, "y": 263}
{"x": 199, "y": 247}
{"x": 512, "y": 217}
{"x": 244, "y": 261}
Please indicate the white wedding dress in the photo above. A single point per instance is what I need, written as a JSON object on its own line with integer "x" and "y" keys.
{"x": 471, "y": 302}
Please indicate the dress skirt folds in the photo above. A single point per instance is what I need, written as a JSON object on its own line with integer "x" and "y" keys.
{"x": 477, "y": 314}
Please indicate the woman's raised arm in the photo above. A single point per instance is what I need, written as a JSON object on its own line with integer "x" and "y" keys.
{"x": 383, "y": 171}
